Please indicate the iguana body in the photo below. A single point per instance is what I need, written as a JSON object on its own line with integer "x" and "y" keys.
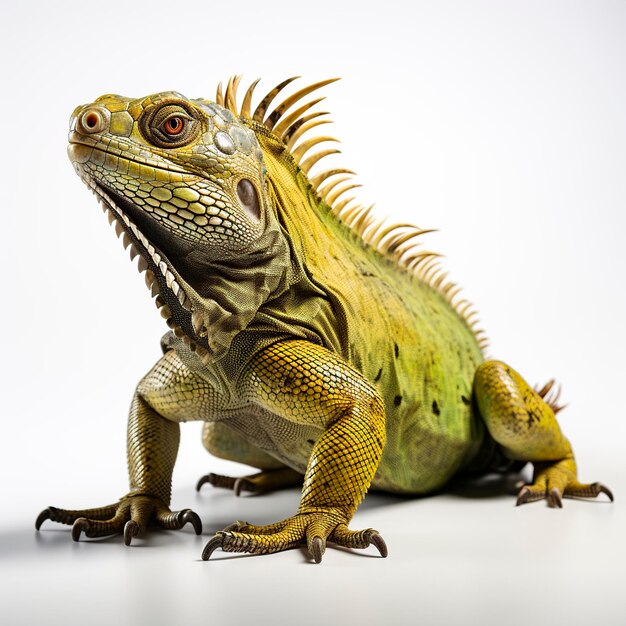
{"x": 311, "y": 339}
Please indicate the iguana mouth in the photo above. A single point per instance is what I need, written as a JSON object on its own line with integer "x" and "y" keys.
{"x": 139, "y": 235}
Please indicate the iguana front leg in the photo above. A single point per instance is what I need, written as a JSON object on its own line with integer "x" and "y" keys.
{"x": 167, "y": 395}
{"x": 307, "y": 384}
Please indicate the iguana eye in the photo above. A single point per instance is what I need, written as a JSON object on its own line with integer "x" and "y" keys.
{"x": 248, "y": 198}
{"x": 174, "y": 125}
{"x": 170, "y": 125}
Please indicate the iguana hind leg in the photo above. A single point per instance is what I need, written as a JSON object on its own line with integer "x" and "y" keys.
{"x": 223, "y": 442}
{"x": 519, "y": 419}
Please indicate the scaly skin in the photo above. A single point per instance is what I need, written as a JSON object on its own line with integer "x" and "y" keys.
{"x": 317, "y": 348}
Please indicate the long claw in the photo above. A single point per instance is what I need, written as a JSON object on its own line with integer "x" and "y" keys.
{"x": 522, "y": 496}
{"x": 203, "y": 480}
{"x": 187, "y": 516}
{"x": 217, "y": 480}
{"x": 554, "y": 498}
{"x": 211, "y": 546}
{"x": 45, "y": 514}
{"x": 604, "y": 489}
{"x": 131, "y": 529}
{"x": 80, "y": 525}
{"x": 380, "y": 544}
{"x": 317, "y": 549}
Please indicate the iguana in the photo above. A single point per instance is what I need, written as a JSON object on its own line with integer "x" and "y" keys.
{"x": 317, "y": 343}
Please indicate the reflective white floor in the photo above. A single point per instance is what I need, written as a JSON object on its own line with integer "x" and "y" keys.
{"x": 465, "y": 557}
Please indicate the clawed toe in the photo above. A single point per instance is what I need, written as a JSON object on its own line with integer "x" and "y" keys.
{"x": 42, "y": 517}
{"x": 130, "y": 517}
{"x": 528, "y": 494}
{"x": 66, "y": 516}
{"x": 314, "y": 530}
{"x": 359, "y": 539}
{"x": 532, "y": 493}
{"x": 317, "y": 548}
{"x": 589, "y": 491}
{"x": 131, "y": 529}
{"x": 187, "y": 516}
{"x": 238, "y": 485}
{"x": 554, "y": 499}
{"x": 555, "y": 495}
{"x": 603, "y": 489}
{"x": 379, "y": 542}
{"x": 261, "y": 482}
{"x": 213, "y": 544}
{"x": 81, "y": 525}
{"x": 217, "y": 480}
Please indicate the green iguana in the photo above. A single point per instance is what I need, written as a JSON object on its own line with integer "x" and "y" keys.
{"x": 315, "y": 342}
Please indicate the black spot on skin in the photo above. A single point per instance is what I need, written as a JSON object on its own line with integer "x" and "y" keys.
{"x": 435, "y": 407}
{"x": 397, "y": 400}
{"x": 464, "y": 400}
{"x": 396, "y": 350}
{"x": 380, "y": 372}
{"x": 533, "y": 417}
{"x": 310, "y": 441}
{"x": 288, "y": 380}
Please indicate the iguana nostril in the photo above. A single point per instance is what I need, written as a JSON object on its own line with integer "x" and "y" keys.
{"x": 93, "y": 120}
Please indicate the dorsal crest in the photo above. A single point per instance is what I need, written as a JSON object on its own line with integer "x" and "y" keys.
{"x": 290, "y": 121}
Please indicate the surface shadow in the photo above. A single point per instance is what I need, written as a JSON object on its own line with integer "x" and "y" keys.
{"x": 223, "y": 508}
{"x": 494, "y": 485}
{"x": 487, "y": 486}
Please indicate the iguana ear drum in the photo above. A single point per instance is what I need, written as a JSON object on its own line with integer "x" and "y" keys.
{"x": 249, "y": 198}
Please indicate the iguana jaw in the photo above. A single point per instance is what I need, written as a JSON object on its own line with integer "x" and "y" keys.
{"x": 161, "y": 278}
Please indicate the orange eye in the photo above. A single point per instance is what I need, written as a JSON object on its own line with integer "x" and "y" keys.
{"x": 174, "y": 125}
{"x": 171, "y": 124}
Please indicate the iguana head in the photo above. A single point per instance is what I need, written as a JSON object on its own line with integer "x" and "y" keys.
{"x": 184, "y": 180}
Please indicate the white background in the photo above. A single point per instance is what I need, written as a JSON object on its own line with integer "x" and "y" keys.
{"x": 500, "y": 123}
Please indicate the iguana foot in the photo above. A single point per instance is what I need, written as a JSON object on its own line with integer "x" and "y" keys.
{"x": 262, "y": 482}
{"x": 314, "y": 529}
{"x": 556, "y": 481}
{"x": 130, "y": 517}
